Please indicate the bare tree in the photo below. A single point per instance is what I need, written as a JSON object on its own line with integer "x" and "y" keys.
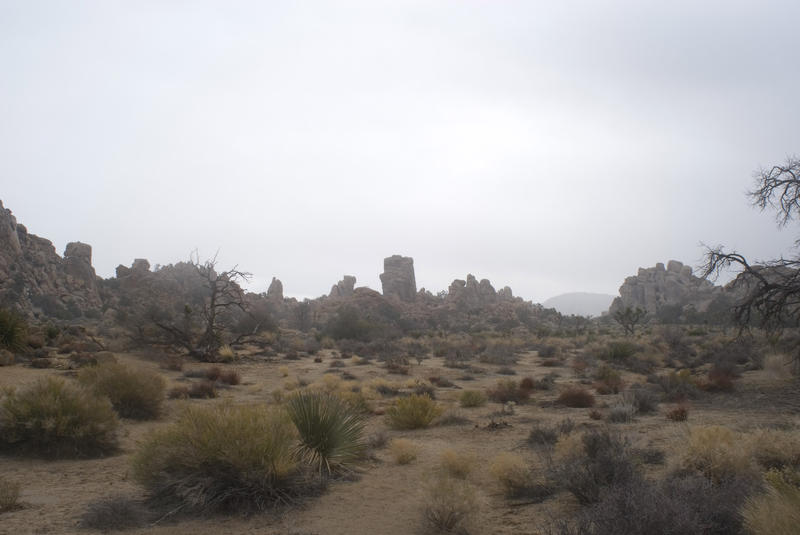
{"x": 771, "y": 290}
{"x": 202, "y": 331}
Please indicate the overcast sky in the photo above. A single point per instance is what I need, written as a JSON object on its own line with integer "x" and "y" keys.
{"x": 548, "y": 146}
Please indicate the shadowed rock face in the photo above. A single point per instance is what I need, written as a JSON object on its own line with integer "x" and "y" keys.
{"x": 34, "y": 279}
{"x": 343, "y": 288}
{"x": 275, "y": 290}
{"x": 398, "y": 278}
{"x": 674, "y": 285}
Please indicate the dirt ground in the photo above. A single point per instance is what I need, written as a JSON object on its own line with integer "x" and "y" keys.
{"x": 385, "y": 498}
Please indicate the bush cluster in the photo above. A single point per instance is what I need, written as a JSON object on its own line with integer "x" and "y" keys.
{"x": 134, "y": 393}
{"x": 413, "y": 412}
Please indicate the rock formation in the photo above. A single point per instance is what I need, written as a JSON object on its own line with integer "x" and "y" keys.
{"x": 397, "y": 279}
{"x": 655, "y": 288}
{"x": 35, "y": 280}
{"x": 275, "y": 290}
{"x": 472, "y": 294}
{"x": 343, "y": 288}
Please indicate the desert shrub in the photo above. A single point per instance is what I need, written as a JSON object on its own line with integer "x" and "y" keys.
{"x": 717, "y": 452}
{"x": 548, "y": 351}
{"x": 608, "y": 380}
{"x": 134, "y": 393}
{"x": 202, "y": 390}
{"x": 548, "y": 436}
{"x": 226, "y": 354}
{"x": 230, "y": 377}
{"x": 643, "y": 400}
{"x": 453, "y": 417}
{"x": 506, "y": 390}
{"x": 505, "y": 370}
{"x": 776, "y": 511}
{"x": 403, "y": 450}
{"x": 9, "y": 495}
{"x": 458, "y": 464}
{"x": 441, "y": 382}
{"x": 677, "y": 386}
{"x": 13, "y": 331}
{"x": 221, "y": 458}
{"x": 330, "y": 430}
{"x": 499, "y": 352}
{"x": 622, "y": 412}
{"x": 587, "y": 464}
{"x": 472, "y": 398}
{"x": 527, "y": 383}
{"x": 649, "y": 455}
{"x": 449, "y": 504}
{"x": 673, "y": 506}
{"x": 576, "y": 397}
{"x": 424, "y": 389}
{"x": 55, "y": 419}
{"x": 778, "y": 366}
{"x": 719, "y": 380}
{"x": 412, "y": 412}
{"x": 618, "y": 351}
{"x": 178, "y": 392}
{"x": 678, "y": 413}
{"x": 115, "y": 513}
{"x": 511, "y": 472}
{"x": 774, "y": 448}
{"x": 548, "y": 382}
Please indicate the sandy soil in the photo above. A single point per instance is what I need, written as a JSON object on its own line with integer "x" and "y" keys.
{"x": 386, "y": 498}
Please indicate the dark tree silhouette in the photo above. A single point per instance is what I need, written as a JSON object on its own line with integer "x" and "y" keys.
{"x": 629, "y": 318}
{"x": 771, "y": 289}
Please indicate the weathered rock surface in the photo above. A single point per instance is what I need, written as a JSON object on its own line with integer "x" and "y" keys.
{"x": 397, "y": 279}
{"x": 275, "y": 290}
{"x": 35, "y": 280}
{"x": 473, "y": 294}
{"x": 343, "y": 288}
{"x": 655, "y": 288}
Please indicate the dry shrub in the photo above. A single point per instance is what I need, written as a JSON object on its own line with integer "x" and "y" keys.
{"x": 221, "y": 458}
{"x": 230, "y": 377}
{"x": 450, "y": 504}
{"x": 576, "y": 397}
{"x": 586, "y": 464}
{"x": 403, "y": 450}
{"x": 284, "y": 371}
{"x": 115, "y": 513}
{"x": 778, "y": 367}
{"x": 226, "y": 354}
{"x": 472, "y": 398}
{"x": 506, "y": 390}
{"x": 178, "y": 392}
{"x": 53, "y": 418}
{"x": 13, "y": 331}
{"x": 458, "y": 464}
{"x": 202, "y": 390}
{"x": 622, "y": 412}
{"x": 773, "y": 448}
{"x": 9, "y": 495}
{"x": 678, "y": 413}
{"x": 718, "y": 453}
{"x": 511, "y": 472}
{"x": 134, "y": 393}
{"x": 777, "y": 510}
{"x": 413, "y": 412}
{"x": 608, "y": 381}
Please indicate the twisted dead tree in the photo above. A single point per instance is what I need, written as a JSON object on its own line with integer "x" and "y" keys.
{"x": 771, "y": 289}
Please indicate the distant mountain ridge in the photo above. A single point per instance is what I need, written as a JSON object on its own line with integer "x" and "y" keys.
{"x": 580, "y": 303}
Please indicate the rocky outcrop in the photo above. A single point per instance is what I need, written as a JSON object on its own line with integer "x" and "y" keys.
{"x": 36, "y": 281}
{"x": 343, "y": 288}
{"x": 473, "y": 294}
{"x": 275, "y": 290}
{"x": 397, "y": 279}
{"x": 658, "y": 288}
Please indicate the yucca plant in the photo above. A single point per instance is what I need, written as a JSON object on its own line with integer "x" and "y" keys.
{"x": 13, "y": 330}
{"x": 330, "y": 430}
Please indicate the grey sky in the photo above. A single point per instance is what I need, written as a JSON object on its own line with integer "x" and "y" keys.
{"x": 549, "y": 146}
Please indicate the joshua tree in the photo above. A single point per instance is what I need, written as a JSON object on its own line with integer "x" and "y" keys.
{"x": 629, "y": 318}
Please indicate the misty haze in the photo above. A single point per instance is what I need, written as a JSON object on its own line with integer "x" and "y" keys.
{"x": 399, "y": 267}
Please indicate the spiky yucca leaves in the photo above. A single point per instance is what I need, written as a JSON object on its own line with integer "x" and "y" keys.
{"x": 13, "y": 330}
{"x": 226, "y": 457}
{"x": 134, "y": 393}
{"x": 330, "y": 430}
{"x": 53, "y": 418}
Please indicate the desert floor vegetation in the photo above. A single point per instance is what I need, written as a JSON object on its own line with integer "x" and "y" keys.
{"x": 555, "y": 448}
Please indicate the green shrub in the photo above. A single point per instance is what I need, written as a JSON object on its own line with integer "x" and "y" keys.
{"x": 55, "y": 419}
{"x": 330, "y": 430}
{"x": 13, "y": 331}
{"x": 9, "y": 495}
{"x": 413, "y": 412}
{"x": 221, "y": 458}
{"x": 472, "y": 398}
{"x": 134, "y": 393}
{"x": 618, "y": 351}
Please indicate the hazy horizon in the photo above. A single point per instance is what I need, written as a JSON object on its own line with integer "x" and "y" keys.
{"x": 550, "y": 147}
